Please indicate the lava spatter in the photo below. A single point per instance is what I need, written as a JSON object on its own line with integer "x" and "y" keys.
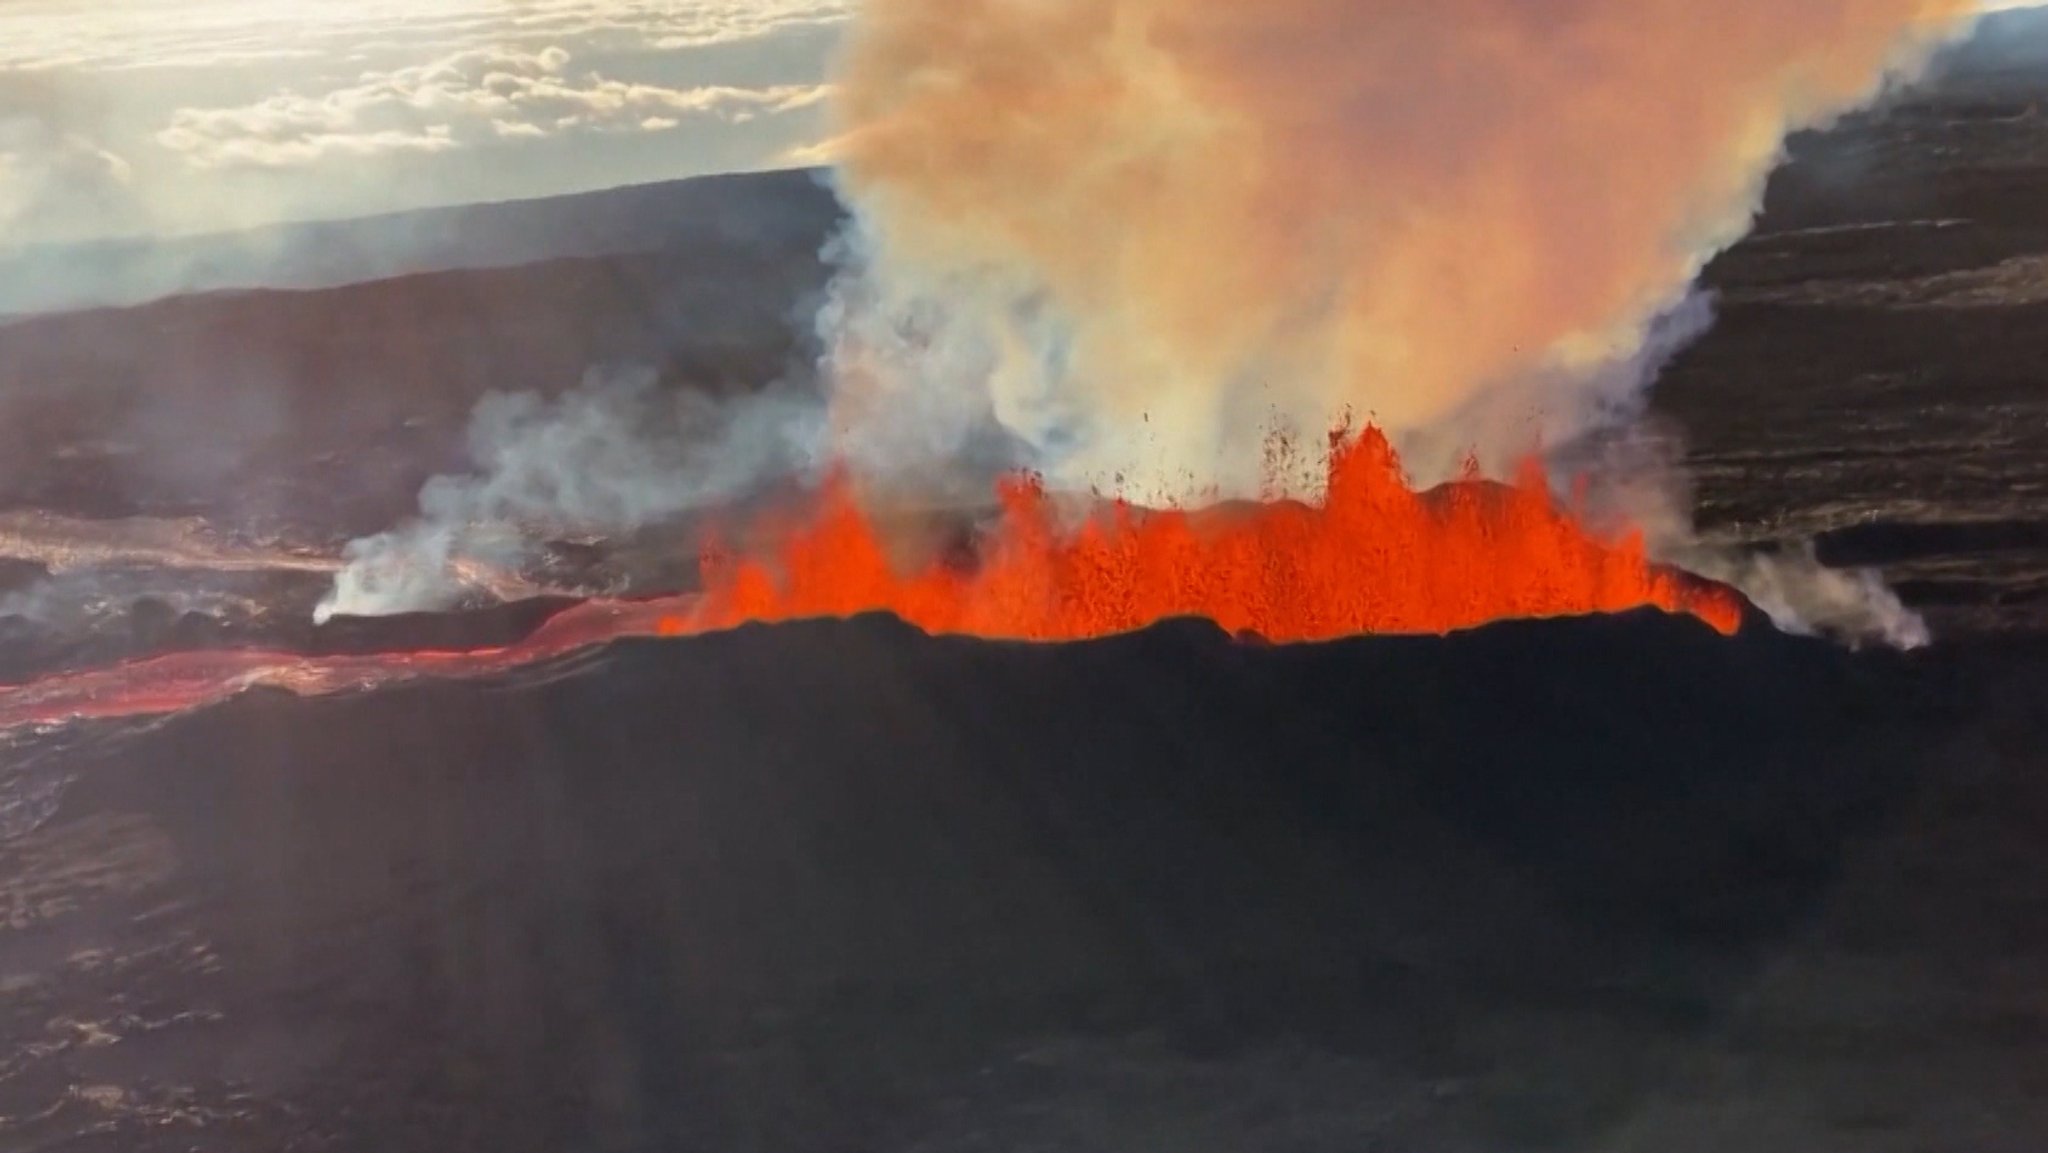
{"x": 1372, "y": 555}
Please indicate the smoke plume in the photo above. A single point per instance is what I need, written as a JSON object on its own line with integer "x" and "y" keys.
{"x": 1632, "y": 478}
{"x": 1135, "y": 234}
{"x": 1121, "y": 241}
{"x": 616, "y": 454}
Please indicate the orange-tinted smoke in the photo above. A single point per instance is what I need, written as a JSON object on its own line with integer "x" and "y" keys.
{"x": 1249, "y": 207}
{"x": 1370, "y": 556}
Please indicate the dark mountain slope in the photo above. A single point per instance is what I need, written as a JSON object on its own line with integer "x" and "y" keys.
{"x": 755, "y": 210}
{"x": 840, "y": 886}
{"x": 328, "y": 409}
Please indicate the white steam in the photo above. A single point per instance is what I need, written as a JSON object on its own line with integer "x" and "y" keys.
{"x": 616, "y": 454}
{"x": 1632, "y": 478}
{"x": 1118, "y": 241}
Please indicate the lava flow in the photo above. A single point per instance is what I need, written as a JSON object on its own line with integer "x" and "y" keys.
{"x": 1372, "y": 556}
{"x": 175, "y": 682}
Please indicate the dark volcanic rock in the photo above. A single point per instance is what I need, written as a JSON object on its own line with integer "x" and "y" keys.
{"x": 150, "y": 621}
{"x": 833, "y": 886}
{"x": 150, "y": 626}
{"x": 17, "y": 575}
{"x": 1891, "y": 541}
{"x": 475, "y": 629}
{"x": 325, "y": 410}
{"x": 715, "y": 213}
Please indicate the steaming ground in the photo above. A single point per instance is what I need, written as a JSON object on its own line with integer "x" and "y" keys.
{"x": 1885, "y": 296}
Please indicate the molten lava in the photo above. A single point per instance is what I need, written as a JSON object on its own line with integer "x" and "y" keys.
{"x": 1372, "y": 556}
{"x": 175, "y": 682}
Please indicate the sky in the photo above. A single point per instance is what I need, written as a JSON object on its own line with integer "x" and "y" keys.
{"x": 141, "y": 117}
{"x": 160, "y": 117}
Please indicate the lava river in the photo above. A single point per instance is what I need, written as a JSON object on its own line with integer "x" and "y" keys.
{"x": 1372, "y": 555}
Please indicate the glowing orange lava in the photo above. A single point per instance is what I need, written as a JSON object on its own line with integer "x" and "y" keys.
{"x": 178, "y": 681}
{"x": 1373, "y": 556}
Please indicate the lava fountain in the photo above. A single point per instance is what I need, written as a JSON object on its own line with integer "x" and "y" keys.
{"x": 1094, "y": 226}
{"x": 1371, "y": 555}
{"x": 1106, "y": 239}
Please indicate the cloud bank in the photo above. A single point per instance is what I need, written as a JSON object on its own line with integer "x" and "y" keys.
{"x": 58, "y": 181}
{"x": 473, "y": 96}
{"x": 223, "y": 114}
{"x": 144, "y": 35}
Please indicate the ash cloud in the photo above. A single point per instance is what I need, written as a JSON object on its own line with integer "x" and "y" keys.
{"x": 1159, "y": 220}
{"x": 1141, "y": 233}
{"x": 1118, "y": 241}
{"x": 618, "y": 453}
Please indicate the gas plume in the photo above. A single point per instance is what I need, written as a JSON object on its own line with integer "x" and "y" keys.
{"x": 1122, "y": 242}
{"x": 615, "y": 454}
{"x": 1137, "y": 234}
{"x": 1632, "y": 479}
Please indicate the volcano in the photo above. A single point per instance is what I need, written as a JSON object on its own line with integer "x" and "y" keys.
{"x": 1539, "y": 883}
{"x": 1369, "y": 556}
{"x": 704, "y": 853}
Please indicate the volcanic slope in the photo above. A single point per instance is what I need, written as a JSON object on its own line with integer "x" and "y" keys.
{"x": 1873, "y": 383}
{"x": 1605, "y": 884}
{"x": 1608, "y": 883}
